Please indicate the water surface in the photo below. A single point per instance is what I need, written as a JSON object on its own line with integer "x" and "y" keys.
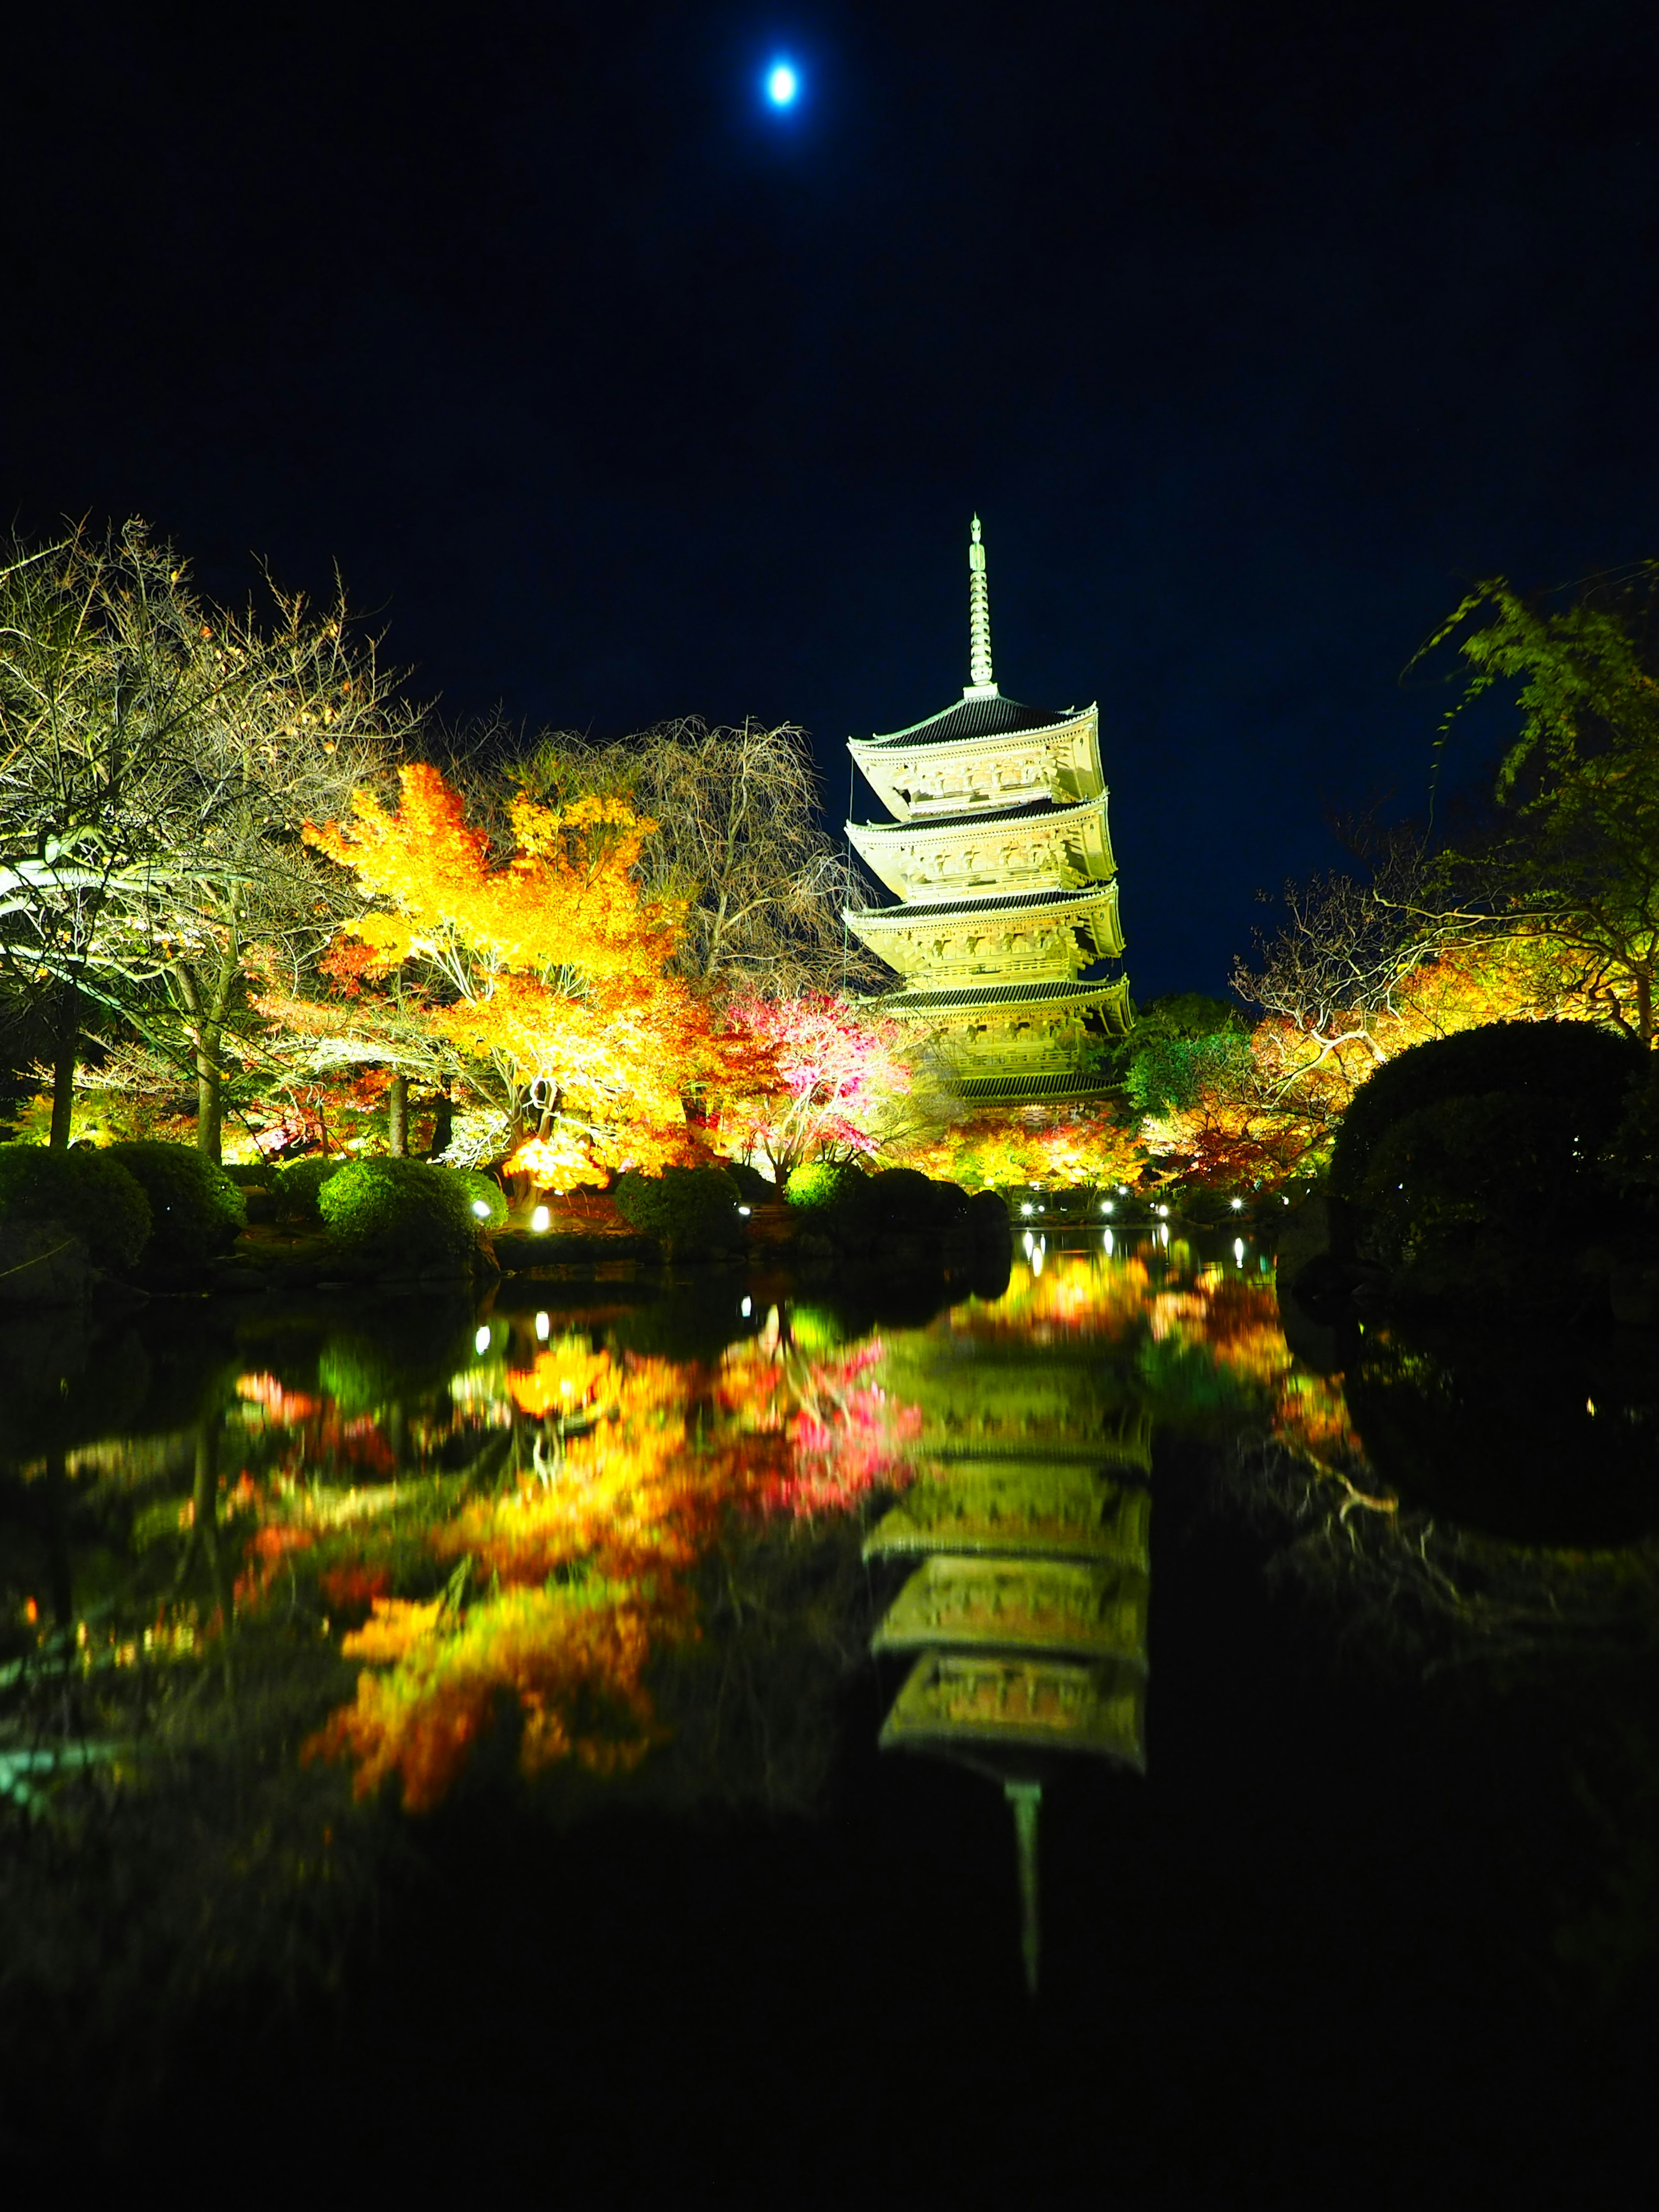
{"x": 638, "y": 1713}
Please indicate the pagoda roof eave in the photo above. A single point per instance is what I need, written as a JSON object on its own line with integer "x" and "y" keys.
{"x": 1040, "y": 991}
{"x": 1052, "y": 900}
{"x": 1029, "y": 810}
{"x": 1062, "y": 1086}
{"x": 971, "y": 719}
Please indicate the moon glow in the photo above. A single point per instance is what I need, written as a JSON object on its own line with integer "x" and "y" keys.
{"x": 781, "y": 85}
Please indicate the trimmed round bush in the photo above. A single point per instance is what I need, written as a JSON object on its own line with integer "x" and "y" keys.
{"x": 1589, "y": 1070}
{"x": 754, "y": 1188}
{"x": 689, "y": 1209}
{"x": 821, "y": 1182}
{"x": 88, "y": 1191}
{"x": 483, "y": 1190}
{"x": 252, "y": 1174}
{"x": 900, "y": 1202}
{"x": 399, "y": 1214}
{"x": 1453, "y": 1176}
{"x": 298, "y": 1184}
{"x": 196, "y": 1209}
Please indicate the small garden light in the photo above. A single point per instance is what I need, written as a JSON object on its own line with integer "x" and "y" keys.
{"x": 745, "y": 1211}
{"x": 1025, "y": 1207}
{"x": 540, "y": 1220}
{"x": 544, "y": 1326}
{"x": 1106, "y": 1204}
{"x": 1238, "y": 1206}
{"x": 481, "y": 1207}
{"x": 481, "y": 1342}
{"x": 746, "y": 1308}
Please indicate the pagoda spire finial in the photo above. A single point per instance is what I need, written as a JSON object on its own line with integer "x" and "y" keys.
{"x": 981, "y": 684}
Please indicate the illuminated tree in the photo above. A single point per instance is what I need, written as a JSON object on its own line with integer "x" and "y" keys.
{"x": 1056, "y": 1147}
{"x": 543, "y": 979}
{"x": 156, "y": 760}
{"x": 1572, "y": 853}
{"x": 100, "y": 700}
{"x": 738, "y": 843}
{"x": 836, "y": 1071}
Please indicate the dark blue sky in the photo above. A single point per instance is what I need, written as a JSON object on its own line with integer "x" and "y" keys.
{"x": 1253, "y": 336}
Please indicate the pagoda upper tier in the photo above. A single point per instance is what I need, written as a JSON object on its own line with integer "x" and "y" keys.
{"x": 983, "y": 752}
{"x": 1038, "y": 845}
{"x": 1001, "y": 859}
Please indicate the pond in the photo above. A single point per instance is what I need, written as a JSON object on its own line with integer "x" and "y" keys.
{"x": 1103, "y": 1723}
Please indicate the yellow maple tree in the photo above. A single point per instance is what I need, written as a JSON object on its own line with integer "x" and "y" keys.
{"x": 546, "y": 972}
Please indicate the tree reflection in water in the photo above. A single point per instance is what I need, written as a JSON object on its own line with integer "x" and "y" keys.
{"x": 267, "y": 1585}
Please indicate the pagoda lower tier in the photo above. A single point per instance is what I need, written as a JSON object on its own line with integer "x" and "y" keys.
{"x": 1018, "y": 1042}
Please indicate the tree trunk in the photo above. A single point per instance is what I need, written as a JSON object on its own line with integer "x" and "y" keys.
{"x": 62, "y": 1066}
{"x": 210, "y": 1006}
{"x": 209, "y": 1093}
{"x": 396, "y": 1117}
{"x": 443, "y": 1124}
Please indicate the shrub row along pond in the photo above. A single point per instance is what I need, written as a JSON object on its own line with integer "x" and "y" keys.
{"x": 160, "y": 1217}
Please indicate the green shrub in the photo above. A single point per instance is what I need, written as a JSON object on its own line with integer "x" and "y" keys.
{"x": 1490, "y": 1171}
{"x": 1168, "y": 1073}
{"x": 298, "y": 1184}
{"x": 482, "y": 1190}
{"x": 86, "y": 1189}
{"x": 822, "y": 1182}
{"x": 196, "y": 1209}
{"x": 400, "y": 1213}
{"x": 897, "y": 1202}
{"x": 1588, "y": 1069}
{"x": 689, "y": 1209}
{"x": 753, "y": 1187}
{"x": 1633, "y": 1155}
{"x": 252, "y": 1174}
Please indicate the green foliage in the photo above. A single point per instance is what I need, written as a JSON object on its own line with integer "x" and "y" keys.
{"x": 1167, "y": 1072}
{"x": 1582, "y": 671}
{"x": 88, "y": 1191}
{"x": 1573, "y": 853}
{"x": 1633, "y": 1156}
{"x": 1186, "y": 1014}
{"x": 1476, "y": 1179}
{"x": 689, "y": 1209}
{"x": 821, "y": 1182}
{"x": 1177, "y": 1042}
{"x": 400, "y": 1214}
{"x": 196, "y": 1210}
{"x": 900, "y": 1202}
{"x": 753, "y": 1187}
{"x": 358, "y": 1381}
{"x": 297, "y": 1185}
{"x": 252, "y": 1174}
{"x": 484, "y": 1190}
{"x": 1587, "y": 1068}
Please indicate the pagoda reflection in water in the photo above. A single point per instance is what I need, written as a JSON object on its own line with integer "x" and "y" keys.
{"x": 1029, "y": 1523}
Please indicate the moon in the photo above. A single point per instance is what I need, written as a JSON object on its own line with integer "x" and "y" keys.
{"x": 783, "y": 84}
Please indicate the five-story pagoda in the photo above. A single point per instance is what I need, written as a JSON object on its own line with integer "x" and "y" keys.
{"x": 1002, "y": 862}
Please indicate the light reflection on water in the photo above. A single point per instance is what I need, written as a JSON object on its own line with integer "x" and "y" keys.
{"x": 368, "y": 1551}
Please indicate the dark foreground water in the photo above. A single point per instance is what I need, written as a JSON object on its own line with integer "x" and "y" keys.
{"x": 446, "y": 1741}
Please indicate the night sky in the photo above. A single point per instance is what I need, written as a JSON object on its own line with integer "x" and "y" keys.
{"x": 1253, "y": 336}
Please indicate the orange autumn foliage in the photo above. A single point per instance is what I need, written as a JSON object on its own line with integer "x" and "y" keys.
{"x": 546, "y": 973}
{"x": 580, "y": 1568}
{"x": 1273, "y": 1118}
{"x": 1057, "y": 1147}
